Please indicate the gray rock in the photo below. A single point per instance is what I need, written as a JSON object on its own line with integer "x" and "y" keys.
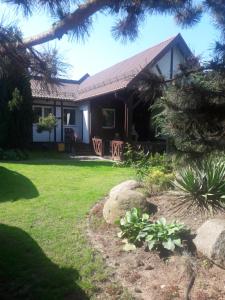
{"x": 126, "y": 185}
{"x": 123, "y": 198}
{"x": 210, "y": 240}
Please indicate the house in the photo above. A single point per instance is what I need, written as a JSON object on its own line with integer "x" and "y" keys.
{"x": 99, "y": 105}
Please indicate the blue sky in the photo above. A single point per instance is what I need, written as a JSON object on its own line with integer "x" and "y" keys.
{"x": 100, "y": 50}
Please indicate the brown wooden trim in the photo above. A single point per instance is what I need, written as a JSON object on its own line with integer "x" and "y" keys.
{"x": 61, "y": 121}
{"x": 54, "y": 112}
{"x": 125, "y": 119}
{"x": 52, "y": 104}
{"x": 159, "y": 70}
{"x": 128, "y": 118}
{"x": 98, "y": 145}
{"x": 179, "y": 42}
{"x": 117, "y": 150}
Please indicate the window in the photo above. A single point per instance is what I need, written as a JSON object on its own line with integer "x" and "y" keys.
{"x": 69, "y": 117}
{"x": 40, "y": 111}
{"x": 108, "y": 117}
{"x": 37, "y": 113}
{"x": 47, "y": 111}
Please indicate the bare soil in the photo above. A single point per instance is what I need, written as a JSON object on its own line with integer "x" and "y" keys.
{"x": 146, "y": 274}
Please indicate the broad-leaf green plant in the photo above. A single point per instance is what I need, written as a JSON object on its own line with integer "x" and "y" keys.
{"x": 132, "y": 224}
{"x": 161, "y": 234}
{"x": 137, "y": 229}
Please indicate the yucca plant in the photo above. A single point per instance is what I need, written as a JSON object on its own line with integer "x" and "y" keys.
{"x": 203, "y": 184}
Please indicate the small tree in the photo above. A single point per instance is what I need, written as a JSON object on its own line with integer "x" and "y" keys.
{"x": 191, "y": 111}
{"x": 47, "y": 124}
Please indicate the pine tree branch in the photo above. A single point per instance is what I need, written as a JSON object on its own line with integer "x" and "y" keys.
{"x": 70, "y": 22}
{"x": 132, "y": 12}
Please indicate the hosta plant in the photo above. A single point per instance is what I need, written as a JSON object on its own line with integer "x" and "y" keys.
{"x": 161, "y": 234}
{"x": 132, "y": 223}
{"x": 203, "y": 184}
{"x": 136, "y": 228}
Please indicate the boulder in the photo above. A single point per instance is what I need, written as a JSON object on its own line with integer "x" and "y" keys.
{"x": 121, "y": 199}
{"x": 126, "y": 185}
{"x": 210, "y": 240}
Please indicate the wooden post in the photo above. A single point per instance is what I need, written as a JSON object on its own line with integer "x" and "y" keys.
{"x": 128, "y": 119}
{"x": 125, "y": 119}
{"x": 55, "y": 116}
{"x": 61, "y": 121}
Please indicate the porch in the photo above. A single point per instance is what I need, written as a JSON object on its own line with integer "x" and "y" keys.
{"x": 116, "y": 148}
{"x": 121, "y": 118}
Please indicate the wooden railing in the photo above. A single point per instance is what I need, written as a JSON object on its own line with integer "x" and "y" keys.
{"x": 150, "y": 146}
{"x": 117, "y": 150}
{"x": 98, "y": 146}
{"x": 117, "y": 147}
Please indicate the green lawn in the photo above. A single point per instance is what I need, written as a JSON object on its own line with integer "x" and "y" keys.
{"x": 43, "y": 250}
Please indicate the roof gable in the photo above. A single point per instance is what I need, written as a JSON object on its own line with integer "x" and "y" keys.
{"x": 121, "y": 74}
{"x": 116, "y": 77}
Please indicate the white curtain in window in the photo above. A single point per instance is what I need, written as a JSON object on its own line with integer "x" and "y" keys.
{"x": 67, "y": 118}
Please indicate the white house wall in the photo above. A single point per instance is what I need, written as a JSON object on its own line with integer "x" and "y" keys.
{"x": 85, "y": 119}
{"x": 178, "y": 59}
{"x": 81, "y": 128}
{"x": 43, "y": 136}
{"x": 164, "y": 64}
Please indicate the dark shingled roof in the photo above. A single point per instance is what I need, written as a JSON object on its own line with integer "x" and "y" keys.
{"x": 63, "y": 90}
{"x": 111, "y": 79}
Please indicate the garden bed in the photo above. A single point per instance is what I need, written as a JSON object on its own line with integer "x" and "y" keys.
{"x": 149, "y": 276}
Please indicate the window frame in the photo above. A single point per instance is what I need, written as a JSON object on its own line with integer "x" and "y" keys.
{"x": 47, "y": 107}
{"x": 37, "y": 106}
{"x": 42, "y": 110}
{"x": 114, "y": 118}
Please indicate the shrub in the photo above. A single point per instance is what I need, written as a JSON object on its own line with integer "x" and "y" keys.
{"x": 143, "y": 162}
{"x": 13, "y": 154}
{"x": 160, "y": 160}
{"x": 16, "y": 100}
{"x": 137, "y": 228}
{"x": 158, "y": 180}
{"x": 130, "y": 155}
{"x": 132, "y": 224}
{"x": 204, "y": 184}
{"x": 142, "y": 167}
{"x": 136, "y": 159}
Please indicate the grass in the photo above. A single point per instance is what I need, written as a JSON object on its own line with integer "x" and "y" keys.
{"x": 43, "y": 250}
